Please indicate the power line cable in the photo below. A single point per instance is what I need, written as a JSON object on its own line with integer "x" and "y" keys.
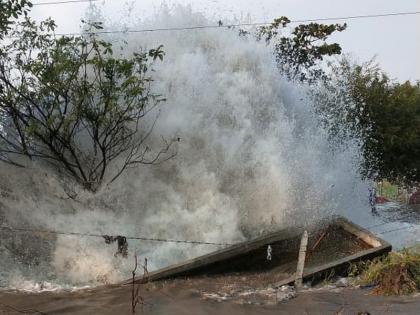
{"x": 165, "y": 240}
{"x": 398, "y": 219}
{"x": 62, "y": 2}
{"x": 379, "y": 224}
{"x": 142, "y": 238}
{"x": 201, "y": 27}
{"x": 397, "y": 229}
{"x": 352, "y": 17}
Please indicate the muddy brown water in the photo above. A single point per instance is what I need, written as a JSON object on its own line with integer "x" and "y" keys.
{"x": 237, "y": 289}
{"x": 184, "y": 297}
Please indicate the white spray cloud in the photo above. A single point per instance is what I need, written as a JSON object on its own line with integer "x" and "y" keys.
{"x": 252, "y": 157}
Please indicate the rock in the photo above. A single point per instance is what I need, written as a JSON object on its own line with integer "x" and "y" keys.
{"x": 342, "y": 283}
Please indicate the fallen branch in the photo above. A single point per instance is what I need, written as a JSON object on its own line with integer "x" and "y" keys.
{"x": 135, "y": 290}
{"x": 316, "y": 244}
{"x": 319, "y": 240}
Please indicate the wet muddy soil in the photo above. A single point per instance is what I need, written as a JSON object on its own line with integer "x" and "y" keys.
{"x": 191, "y": 297}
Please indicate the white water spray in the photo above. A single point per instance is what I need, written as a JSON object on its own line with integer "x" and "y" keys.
{"x": 252, "y": 158}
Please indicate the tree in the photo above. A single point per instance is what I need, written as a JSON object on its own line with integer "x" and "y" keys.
{"x": 397, "y": 131}
{"x": 72, "y": 102}
{"x": 362, "y": 102}
{"x": 299, "y": 55}
{"x": 10, "y": 10}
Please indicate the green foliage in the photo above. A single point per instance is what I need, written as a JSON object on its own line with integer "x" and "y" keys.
{"x": 71, "y": 101}
{"x": 356, "y": 101}
{"x": 361, "y": 101}
{"x": 9, "y": 11}
{"x": 394, "y": 274}
{"x": 299, "y": 55}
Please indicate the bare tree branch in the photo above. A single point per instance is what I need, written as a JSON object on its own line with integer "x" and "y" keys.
{"x": 69, "y": 101}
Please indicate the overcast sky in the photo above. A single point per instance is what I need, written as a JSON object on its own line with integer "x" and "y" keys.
{"x": 394, "y": 40}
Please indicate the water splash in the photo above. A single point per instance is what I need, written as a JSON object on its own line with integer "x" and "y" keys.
{"x": 252, "y": 158}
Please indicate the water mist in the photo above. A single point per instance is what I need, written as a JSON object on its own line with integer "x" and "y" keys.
{"x": 252, "y": 158}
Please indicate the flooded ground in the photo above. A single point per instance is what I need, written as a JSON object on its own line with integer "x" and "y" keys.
{"x": 189, "y": 297}
{"x": 398, "y": 224}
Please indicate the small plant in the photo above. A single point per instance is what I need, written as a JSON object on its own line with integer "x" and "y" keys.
{"x": 135, "y": 290}
{"x": 394, "y": 274}
{"x": 136, "y": 298}
{"x": 329, "y": 276}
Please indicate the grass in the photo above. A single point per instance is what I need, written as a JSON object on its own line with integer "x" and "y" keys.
{"x": 397, "y": 273}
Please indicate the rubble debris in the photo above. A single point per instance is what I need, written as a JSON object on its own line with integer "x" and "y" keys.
{"x": 257, "y": 296}
{"x": 121, "y": 243}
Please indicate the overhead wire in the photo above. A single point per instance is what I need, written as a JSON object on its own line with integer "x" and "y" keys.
{"x": 201, "y": 27}
{"x": 142, "y": 238}
{"x": 61, "y": 2}
{"x": 399, "y": 219}
{"x": 397, "y": 229}
{"x": 165, "y": 240}
{"x": 221, "y": 26}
